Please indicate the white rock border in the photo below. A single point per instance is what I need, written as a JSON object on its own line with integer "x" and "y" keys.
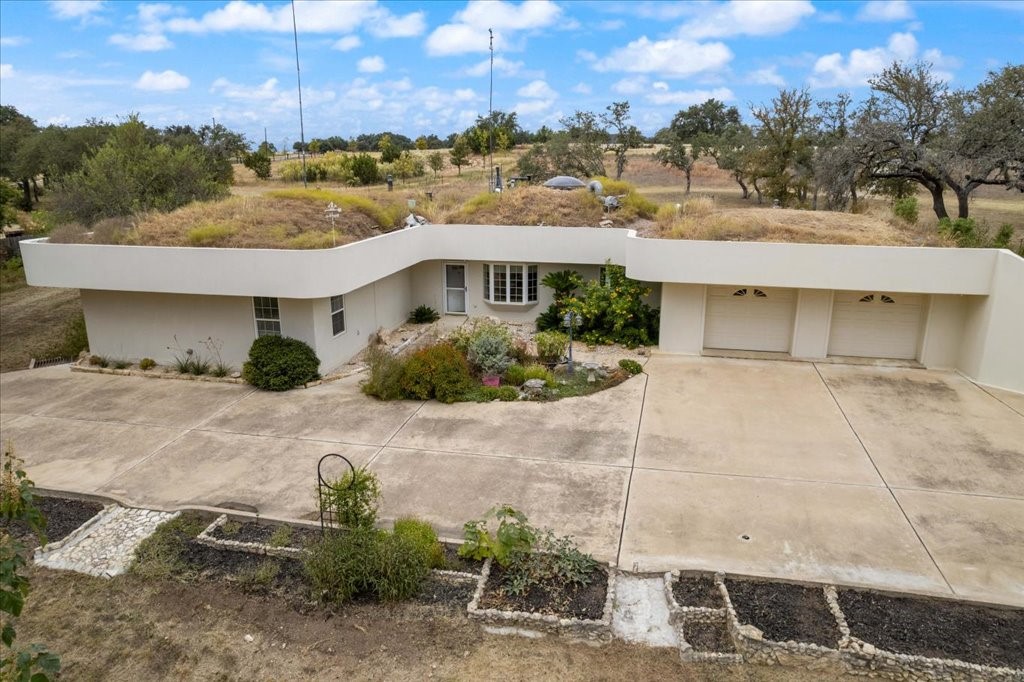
{"x": 580, "y": 628}
{"x": 681, "y": 615}
{"x": 175, "y": 376}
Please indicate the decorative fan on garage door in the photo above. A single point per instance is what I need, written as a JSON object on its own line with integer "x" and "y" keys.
{"x": 743, "y": 292}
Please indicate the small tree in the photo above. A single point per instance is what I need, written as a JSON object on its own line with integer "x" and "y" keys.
{"x": 389, "y": 151}
{"x": 627, "y": 136}
{"x": 258, "y": 163}
{"x": 459, "y": 154}
{"x": 421, "y": 143}
{"x": 679, "y": 156}
{"x": 436, "y": 162}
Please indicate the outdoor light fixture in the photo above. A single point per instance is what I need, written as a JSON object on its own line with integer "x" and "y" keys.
{"x": 332, "y": 212}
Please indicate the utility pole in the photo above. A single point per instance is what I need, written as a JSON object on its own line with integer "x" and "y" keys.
{"x": 490, "y": 120}
{"x": 298, "y": 78}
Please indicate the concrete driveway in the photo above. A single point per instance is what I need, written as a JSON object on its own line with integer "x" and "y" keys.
{"x": 885, "y": 477}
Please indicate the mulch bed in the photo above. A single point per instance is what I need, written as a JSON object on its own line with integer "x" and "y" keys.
{"x": 261, "y": 533}
{"x": 784, "y": 612}
{"x": 586, "y": 602}
{"x": 936, "y": 628}
{"x": 709, "y": 637}
{"x": 453, "y": 562}
{"x": 63, "y": 515}
{"x": 445, "y": 591}
{"x": 697, "y": 590}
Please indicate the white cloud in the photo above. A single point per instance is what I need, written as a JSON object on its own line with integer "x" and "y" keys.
{"x": 503, "y": 66}
{"x": 611, "y": 25}
{"x": 766, "y": 76}
{"x": 311, "y": 16}
{"x": 347, "y": 43}
{"x": 582, "y": 89}
{"x": 630, "y": 86}
{"x": 269, "y": 96}
{"x": 537, "y": 89}
{"x": 533, "y": 106}
{"x": 746, "y": 17}
{"x": 144, "y": 42}
{"x": 165, "y": 81}
{"x": 833, "y": 70}
{"x": 830, "y": 17}
{"x": 885, "y": 10}
{"x": 373, "y": 64}
{"x": 468, "y": 30}
{"x": 674, "y": 57}
{"x": 83, "y": 10}
{"x": 6, "y": 70}
{"x": 688, "y": 97}
{"x": 59, "y": 120}
{"x": 586, "y": 56}
{"x": 13, "y": 41}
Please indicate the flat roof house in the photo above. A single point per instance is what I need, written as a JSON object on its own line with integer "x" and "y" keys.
{"x": 945, "y": 308}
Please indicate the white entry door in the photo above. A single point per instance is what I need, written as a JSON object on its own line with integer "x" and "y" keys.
{"x": 455, "y": 288}
{"x": 749, "y": 318}
{"x": 874, "y": 324}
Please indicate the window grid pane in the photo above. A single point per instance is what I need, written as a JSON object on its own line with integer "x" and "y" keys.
{"x": 267, "y": 315}
{"x": 515, "y": 283}
{"x": 337, "y": 303}
{"x": 268, "y": 328}
{"x": 487, "y": 281}
{"x": 531, "y": 283}
{"x": 500, "y": 284}
{"x": 338, "y": 322}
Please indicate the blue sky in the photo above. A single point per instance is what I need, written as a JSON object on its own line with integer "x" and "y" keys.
{"x": 422, "y": 67}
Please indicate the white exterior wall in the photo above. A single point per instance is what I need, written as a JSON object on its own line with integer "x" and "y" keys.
{"x": 812, "y": 323}
{"x": 994, "y": 329}
{"x": 134, "y": 325}
{"x": 943, "y": 328}
{"x": 682, "y": 318}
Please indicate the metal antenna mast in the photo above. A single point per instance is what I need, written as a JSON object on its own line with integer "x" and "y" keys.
{"x": 298, "y": 77}
{"x": 490, "y": 118}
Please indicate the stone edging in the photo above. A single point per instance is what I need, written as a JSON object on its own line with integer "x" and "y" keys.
{"x": 679, "y": 615}
{"x": 136, "y": 372}
{"x": 206, "y": 538}
{"x": 599, "y": 630}
{"x": 83, "y": 530}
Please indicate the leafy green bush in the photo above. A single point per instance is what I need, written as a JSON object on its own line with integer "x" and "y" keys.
{"x": 439, "y": 372}
{"x": 563, "y": 283}
{"x": 631, "y": 366}
{"x": 550, "y": 319}
{"x": 281, "y": 537}
{"x": 423, "y": 314}
{"x": 507, "y": 394}
{"x": 364, "y": 169}
{"x": 905, "y": 209}
{"x": 520, "y": 352}
{"x": 386, "y": 370}
{"x": 474, "y": 328}
{"x": 515, "y": 375}
{"x": 539, "y": 372}
{"x": 422, "y": 534}
{"x": 969, "y": 235}
{"x": 397, "y": 567}
{"x": 279, "y": 363}
{"x": 513, "y": 534}
{"x": 488, "y": 351}
{"x": 551, "y": 346}
{"x": 147, "y": 363}
{"x": 353, "y": 499}
{"x": 615, "y": 312}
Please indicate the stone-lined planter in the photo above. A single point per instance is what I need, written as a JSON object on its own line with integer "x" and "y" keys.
{"x": 861, "y": 658}
{"x": 207, "y": 538}
{"x": 580, "y": 628}
{"x": 159, "y": 374}
{"x": 83, "y": 530}
{"x": 681, "y": 613}
{"x": 752, "y": 645}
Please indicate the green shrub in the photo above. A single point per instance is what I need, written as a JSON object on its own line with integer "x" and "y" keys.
{"x": 512, "y": 534}
{"x": 539, "y": 372}
{"x": 121, "y": 364}
{"x": 520, "y": 352}
{"x": 278, "y": 363}
{"x": 147, "y": 363}
{"x": 550, "y": 319}
{"x": 423, "y": 314}
{"x": 424, "y": 537}
{"x": 551, "y": 346}
{"x": 515, "y": 375}
{"x": 507, "y": 394}
{"x": 209, "y": 235}
{"x": 905, "y": 209}
{"x": 1003, "y": 237}
{"x": 364, "y": 169}
{"x": 386, "y": 370}
{"x": 474, "y": 328}
{"x": 98, "y": 361}
{"x": 615, "y": 312}
{"x": 631, "y": 366}
{"x": 488, "y": 351}
{"x": 480, "y": 394}
{"x": 353, "y": 499}
{"x": 281, "y": 537}
{"x": 563, "y": 283}
{"x": 338, "y": 565}
{"x": 439, "y": 372}
{"x": 397, "y": 567}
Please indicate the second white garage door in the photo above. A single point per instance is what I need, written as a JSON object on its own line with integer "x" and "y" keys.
{"x": 749, "y": 318}
{"x": 875, "y": 324}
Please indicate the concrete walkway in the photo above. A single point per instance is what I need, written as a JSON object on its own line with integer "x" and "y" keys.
{"x": 886, "y": 477}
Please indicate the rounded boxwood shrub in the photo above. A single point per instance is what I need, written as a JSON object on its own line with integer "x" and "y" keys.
{"x": 437, "y": 372}
{"x": 515, "y": 375}
{"x": 279, "y": 363}
{"x": 631, "y": 366}
{"x": 423, "y": 535}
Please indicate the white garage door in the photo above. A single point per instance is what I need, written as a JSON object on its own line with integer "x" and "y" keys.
{"x": 875, "y": 324}
{"x": 749, "y": 318}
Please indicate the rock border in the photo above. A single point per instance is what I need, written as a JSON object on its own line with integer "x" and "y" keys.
{"x": 175, "y": 376}
{"x": 680, "y": 615}
{"x": 578, "y": 628}
{"x": 43, "y": 551}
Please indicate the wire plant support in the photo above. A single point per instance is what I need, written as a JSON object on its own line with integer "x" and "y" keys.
{"x": 328, "y": 514}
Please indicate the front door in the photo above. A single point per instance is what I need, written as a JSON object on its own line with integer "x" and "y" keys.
{"x": 455, "y": 288}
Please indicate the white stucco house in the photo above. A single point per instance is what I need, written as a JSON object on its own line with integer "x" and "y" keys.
{"x": 959, "y": 309}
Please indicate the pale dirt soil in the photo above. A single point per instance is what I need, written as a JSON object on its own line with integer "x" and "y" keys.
{"x": 130, "y": 629}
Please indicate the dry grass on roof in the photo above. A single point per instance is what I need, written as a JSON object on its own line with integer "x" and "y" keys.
{"x": 700, "y": 219}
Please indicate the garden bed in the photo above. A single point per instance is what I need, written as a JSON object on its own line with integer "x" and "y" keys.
{"x": 252, "y": 532}
{"x": 936, "y": 628}
{"x": 697, "y": 590}
{"x": 784, "y": 612}
{"x": 63, "y": 516}
{"x": 708, "y": 638}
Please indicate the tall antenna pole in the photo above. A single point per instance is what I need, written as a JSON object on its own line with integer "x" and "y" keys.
{"x": 298, "y": 77}
{"x": 490, "y": 118}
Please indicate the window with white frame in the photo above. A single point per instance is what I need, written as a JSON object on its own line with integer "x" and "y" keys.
{"x": 510, "y": 283}
{"x": 338, "y": 314}
{"x": 268, "y": 316}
